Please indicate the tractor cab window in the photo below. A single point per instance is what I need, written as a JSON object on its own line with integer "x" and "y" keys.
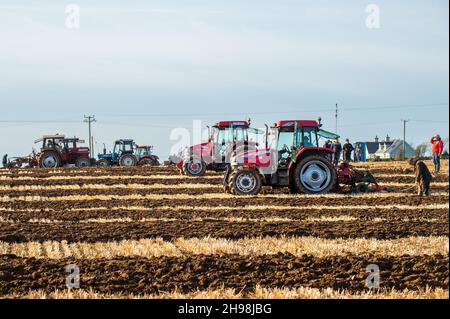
{"x": 284, "y": 143}
{"x": 239, "y": 134}
{"x": 223, "y": 136}
{"x": 307, "y": 137}
{"x": 128, "y": 147}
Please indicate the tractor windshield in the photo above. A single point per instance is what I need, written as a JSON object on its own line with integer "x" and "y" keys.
{"x": 307, "y": 137}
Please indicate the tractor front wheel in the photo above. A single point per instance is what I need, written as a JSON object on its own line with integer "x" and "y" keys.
{"x": 49, "y": 159}
{"x": 245, "y": 181}
{"x": 83, "y": 162}
{"x": 103, "y": 162}
{"x": 128, "y": 160}
{"x": 194, "y": 168}
{"x": 314, "y": 175}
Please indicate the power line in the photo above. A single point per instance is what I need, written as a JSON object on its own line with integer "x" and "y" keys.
{"x": 299, "y": 110}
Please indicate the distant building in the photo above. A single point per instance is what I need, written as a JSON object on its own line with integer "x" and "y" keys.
{"x": 387, "y": 149}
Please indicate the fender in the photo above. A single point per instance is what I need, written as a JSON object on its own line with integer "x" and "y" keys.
{"x": 305, "y": 151}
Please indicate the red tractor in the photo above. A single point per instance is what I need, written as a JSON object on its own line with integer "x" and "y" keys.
{"x": 145, "y": 156}
{"x": 57, "y": 151}
{"x": 294, "y": 159}
{"x": 225, "y": 138}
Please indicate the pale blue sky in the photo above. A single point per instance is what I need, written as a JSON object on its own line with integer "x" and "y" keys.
{"x": 143, "y": 67}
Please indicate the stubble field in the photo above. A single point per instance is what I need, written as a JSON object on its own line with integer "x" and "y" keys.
{"x": 151, "y": 233}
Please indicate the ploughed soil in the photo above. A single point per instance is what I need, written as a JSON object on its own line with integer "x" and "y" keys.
{"x": 164, "y": 191}
{"x": 393, "y": 214}
{"x": 103, "y": 232}
{"x": 243, "y": 273}
{"x": 230, "y": 201}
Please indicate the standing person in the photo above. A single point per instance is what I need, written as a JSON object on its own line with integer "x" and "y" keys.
{"x": 328, "y": 144}
{"x": 437, "y": 149}
{"x": 423, "y": 176}
{"x": 357, "y": 153}
{"x": 348, "y": 149}
{"x": 5, "y": 161}
{"x": 337, "y": 147}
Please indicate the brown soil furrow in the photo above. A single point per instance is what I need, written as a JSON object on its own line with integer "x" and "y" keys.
{"x": 185, "y": 214}
{"x": 211, "y": 189}
{"x": 92, "y": 232}
{"x": 109, "y": 181}
{"x": 198, "y": 201}
{"x": 186, "y": 274}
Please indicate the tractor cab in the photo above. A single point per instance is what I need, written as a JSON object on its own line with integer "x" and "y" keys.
{"x": 225, "y": 138}
{"x": 122, "y": 154}
{"x": 123, "y": 147}
{"x": 50, "y": 142}
{"x": 289, "y": 138}
{"x": 141, "y": 151}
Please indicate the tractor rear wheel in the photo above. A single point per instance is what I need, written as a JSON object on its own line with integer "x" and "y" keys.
{"x": 314, "y": 175}
{"x": 103, "y": 162}
{"x": 128, "y": 160}
{"x": 49, "y": 159}
{"x": 245, "y": 181}
{"x": 194, "y": 168}
{"x": 83, "y": 162}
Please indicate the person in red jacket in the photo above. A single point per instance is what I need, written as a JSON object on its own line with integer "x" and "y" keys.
{"x": 437, "y": 149}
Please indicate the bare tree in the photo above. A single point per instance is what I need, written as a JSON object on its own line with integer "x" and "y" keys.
{"x": 421, "y": 150}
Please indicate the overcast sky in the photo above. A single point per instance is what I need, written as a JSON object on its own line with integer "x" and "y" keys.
{"x": 145, "y": 67}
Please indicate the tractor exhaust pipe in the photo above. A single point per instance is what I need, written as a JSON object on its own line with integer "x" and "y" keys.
{"x": 267, "y": 136}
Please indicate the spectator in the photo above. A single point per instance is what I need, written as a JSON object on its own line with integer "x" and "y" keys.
{"x": 423, "y": 177}
{"x": 5, "y": 161}
{"x": 348, "y": 149}
{"x": 327, "y": 144}
{"x": 337, "y": 147}
{"x": 330, "y": 146}
{"x": 437, "y": 149}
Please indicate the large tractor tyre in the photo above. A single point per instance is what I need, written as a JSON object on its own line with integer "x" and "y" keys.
{"x": 83, "y": 162}
{"x": 245, "y": 181}
{"x": 104, "y": 162}
{"x": 49, "y": 159}
{"x": 128, "y": 160}
{"x": 314, "y": 175}
{"x": 194, "y": 168}
{"x": 149, "y": 162}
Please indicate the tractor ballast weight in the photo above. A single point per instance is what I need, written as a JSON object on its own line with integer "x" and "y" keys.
{"x": 122, "y": 154}
{"x": 294, "y": 160}
{"x": 57, "y": 151}
{"x": 225, "y": 139}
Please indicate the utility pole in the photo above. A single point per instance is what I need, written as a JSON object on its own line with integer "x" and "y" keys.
{"x": 90, "y": 119}
{"x": 336, "y": 117}
{"x": 404, "y": 138}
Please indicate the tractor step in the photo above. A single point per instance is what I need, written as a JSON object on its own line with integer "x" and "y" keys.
{"x": 280, "y": 178}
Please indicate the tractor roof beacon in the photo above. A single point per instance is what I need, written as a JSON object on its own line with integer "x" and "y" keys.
{"x": 292, "y": 159}
{"x": 57, "y": 151}
{"x": 225, "y": 138}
